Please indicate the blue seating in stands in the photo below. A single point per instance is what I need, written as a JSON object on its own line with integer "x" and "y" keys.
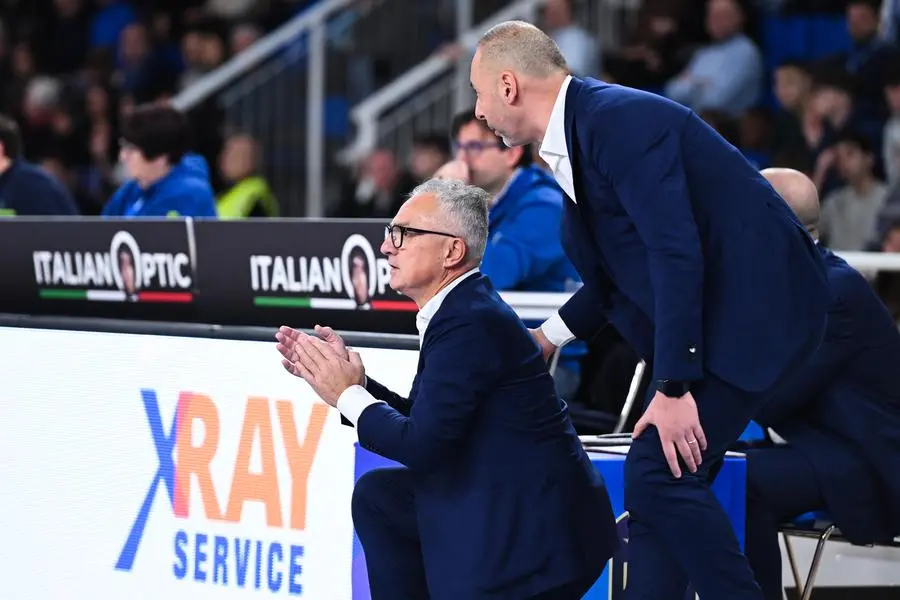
{"x": 805, "y": 38}
{"x": 802, "y": 38}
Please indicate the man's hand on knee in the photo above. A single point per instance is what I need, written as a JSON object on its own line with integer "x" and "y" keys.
{"x": 678, "y": 424}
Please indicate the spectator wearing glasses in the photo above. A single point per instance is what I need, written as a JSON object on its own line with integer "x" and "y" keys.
{"x": 166, "y": 180}
{"x": 523, "y": 251}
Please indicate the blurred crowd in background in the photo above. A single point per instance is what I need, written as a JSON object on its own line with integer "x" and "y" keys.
{"x": 87, "y": 128}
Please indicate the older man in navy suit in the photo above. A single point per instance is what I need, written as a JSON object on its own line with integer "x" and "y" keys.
{"x": 839, "y": 419}
{"x": 497, "y": 498}
{"x": 691, "y": 255}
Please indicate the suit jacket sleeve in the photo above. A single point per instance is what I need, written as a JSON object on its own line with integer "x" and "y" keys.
{"x": 583, "y": 313}
{"x": 459, "y": 372}
{"x": 643, "y": 162}
{"x": 812, "y": 380}
{"x": 379, "y": 392}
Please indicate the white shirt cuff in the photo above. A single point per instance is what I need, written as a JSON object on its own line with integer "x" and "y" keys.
{"x": 776, "y": 439}
{"x": 353, "y": 401}
{"x": 556, "y": 331}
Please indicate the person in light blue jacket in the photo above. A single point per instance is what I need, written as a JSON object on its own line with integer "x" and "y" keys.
{"x": 523, "y": 252}
{"x": 166, "y": 180}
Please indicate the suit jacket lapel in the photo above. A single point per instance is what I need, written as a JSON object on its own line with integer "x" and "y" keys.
{"x": 571, "y": 136}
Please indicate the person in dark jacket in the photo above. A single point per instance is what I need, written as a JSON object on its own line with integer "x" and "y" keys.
{"x": 26, "y": 189}
{"x": 167, "y": 181}
{"x": 838, "y": 418}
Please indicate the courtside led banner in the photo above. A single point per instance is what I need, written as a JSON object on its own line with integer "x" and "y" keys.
{"x": 330, "y": 271}
{"x": 264, "y": 272}
{"x": 159, "y": 467}
{"x": 142, "y": 466}
{"x": 123, "y": 269}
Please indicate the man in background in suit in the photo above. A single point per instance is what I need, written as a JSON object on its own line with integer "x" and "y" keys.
{"x": 496, "y": 498}
{"x": 691, "y": 255}
{"x": 839, "y": 416}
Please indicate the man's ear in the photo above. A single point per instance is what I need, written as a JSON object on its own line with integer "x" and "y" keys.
{"x": 456, "y": 253}
{"x": 509, "y": 87}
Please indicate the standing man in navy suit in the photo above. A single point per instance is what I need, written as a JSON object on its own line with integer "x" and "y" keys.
{"x": 690, "y": 254}
{"x": 839, "y": 419}
{"x": 497, "y": 499}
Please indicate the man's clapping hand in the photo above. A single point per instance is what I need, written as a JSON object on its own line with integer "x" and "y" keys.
{"x": 325, "y": 364}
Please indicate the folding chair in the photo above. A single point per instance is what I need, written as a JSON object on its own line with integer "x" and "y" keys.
{"x": 633, "y": 390}
{"x": 817, "y": 526}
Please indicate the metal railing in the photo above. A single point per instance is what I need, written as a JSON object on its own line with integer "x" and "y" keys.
{"x": 427, "y": 97}
{"x": 258, "y": 83}
{"x": 292, "y": 88}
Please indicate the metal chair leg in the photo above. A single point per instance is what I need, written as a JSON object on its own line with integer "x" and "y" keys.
{"x": 631, "y": 397}
{"x": 792, "y": 559}
{"x": 817, "y": 558}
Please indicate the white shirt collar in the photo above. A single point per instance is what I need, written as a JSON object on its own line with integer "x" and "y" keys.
{"x": 423, "y": 317}
{"x": 554, "y": 142}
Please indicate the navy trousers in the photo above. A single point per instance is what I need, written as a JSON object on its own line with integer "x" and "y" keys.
{"x": 781, "y": 485}
{"x": 679, "y": 532}
{"x": 384, "y": 516}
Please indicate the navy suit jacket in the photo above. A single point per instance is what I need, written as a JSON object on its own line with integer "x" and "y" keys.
{"x": 507, "y": 501}
{"x": 845, "y": 404}
{"x": 683, "y": 246}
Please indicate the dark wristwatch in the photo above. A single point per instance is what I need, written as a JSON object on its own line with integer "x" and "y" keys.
{"x": 673, "y": 389}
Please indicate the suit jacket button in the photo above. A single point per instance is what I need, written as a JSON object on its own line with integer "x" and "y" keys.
{"x": 692, "y": 350}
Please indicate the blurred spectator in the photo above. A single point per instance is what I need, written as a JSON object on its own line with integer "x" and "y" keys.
{"x": 792, "y": 83}
{"x": 165, "y": 179}
{"x": 722, "y": 123}
{"x": 380, "y": 190}
{"x": 524, "y": 251}
{"x": 578, "y": 46}
{"x": 850, "y": 214}
{"x": 243, "y": 36}
{"x": 658, "y": 49}
{"x": 891, "y": 144}
{"x": 249, "y": 194}
{"x": 233, "y": 10}
{"x": 867, "y": 57}
{"x": 429, "y": 152}
{"x": 755, "y": 137}
{"x": 831, "y": 112}
{"x": 726, "y": 74}
{"x": 26, "y": 189}
{"x": 65, "y": 27}
{"x": 887, "y": 283}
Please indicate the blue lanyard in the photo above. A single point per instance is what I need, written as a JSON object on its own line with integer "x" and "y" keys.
{"x": 135, "y": 208}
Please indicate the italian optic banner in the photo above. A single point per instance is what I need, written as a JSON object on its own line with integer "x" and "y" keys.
{"x": 124, "y": 269}
{"x": 141, "y": 466}
{"x": 302, "y": 272}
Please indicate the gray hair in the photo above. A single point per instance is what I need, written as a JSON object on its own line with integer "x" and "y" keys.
{"x": 522, "y": 47}
{"x": 465, "y": 207}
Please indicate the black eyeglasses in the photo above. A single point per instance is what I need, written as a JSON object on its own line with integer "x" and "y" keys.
{"x": 476, "y": 148}
{"x": 397, "y": 233}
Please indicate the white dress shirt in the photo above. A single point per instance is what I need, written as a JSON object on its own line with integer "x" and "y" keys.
{"x": 553, "y": 147}
{"x": 555, "y": 153}
{"x": 356, "y": 398}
